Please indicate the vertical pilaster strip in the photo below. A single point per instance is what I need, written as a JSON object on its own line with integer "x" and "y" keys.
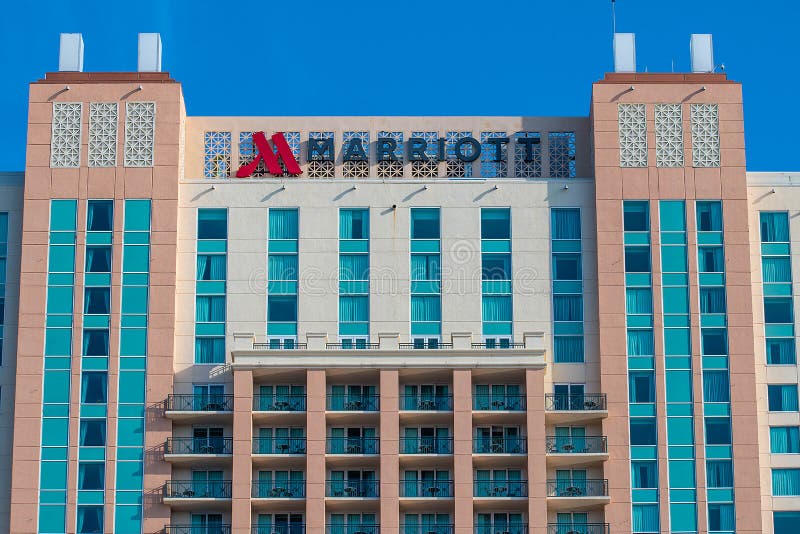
{"x": 242, "y": 451}
{"x": 537, "y": 460}
{"x": 390, "y": 442}
{"x": 316, "y": 432}
{"x": 462, "y": 450}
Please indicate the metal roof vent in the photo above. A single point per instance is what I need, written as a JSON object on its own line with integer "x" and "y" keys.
{"x": 702, "y": 51}
{"x": 149, "y": 52}
{"x": 624, "y": 52}
{"x": 70, "y": 53}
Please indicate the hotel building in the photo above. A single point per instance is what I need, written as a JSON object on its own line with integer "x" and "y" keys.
{"x": 411, "y": 325}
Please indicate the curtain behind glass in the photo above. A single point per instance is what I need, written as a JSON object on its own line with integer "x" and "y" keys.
{"x": 425, "y": 267}
{"x": 781, "y": 351}
{"x": 776, "y": 269}
{"x": 568, "y": 349}
{"x": 640, "y": 343}
{"x": 354, "y": 267}
{"x": 786, "y": 481}
{"x": 567, "y": 307}
{"x": 353, "y": 309}
{"x": 719, "y": 474}
{"x": 496, "y": 308}
{"x": 645, "y": 517}
{"x": 211, "y": 267}
{"x": 210, "y": 309}
{"x": 209, "y": 350}
{"x": 3, "y": 227}
{"x": 566, "y": 224}
{"x": 425, "y": 308}
{"x": 774, "y": 227}
{"x": 282, "y": 266}
{"x": 715, "y": 386}
{"x": 712, "y": 300}
{"x": 282, "y": 224}
{"x": 639, "y": 301}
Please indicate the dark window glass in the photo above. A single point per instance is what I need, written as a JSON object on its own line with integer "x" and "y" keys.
{"x": 778, "y": 310}
{"x": 95, "y": 342}
{"x": 635, "y": 217}
{"x": 718, "y": 431}
{"x": 643, "y": 431}
{"x": 566, "y": 267}
{"x": 425, "y": 223}
{"x": 93, "y": 433}
{"x": 98, "y": 259}
{"x": 99, "y": 216}
{"x": 782, "y": 397}
{"x": 282, "y": 308}
{"x": 495, "y": 223}
{"x": 642, "y": 387}
{"x": 644, "y": 474}
{"x": 97, "y": 301}
{"x": 496, "y": 267}
{"x": 90, "y": 519}
{"x": 637, "y": 259}
{"x": 714, "y": 342}
{"x": 94, "y": 387}
{"x": 212, "y": 224}
{"x": 91, "y": 476}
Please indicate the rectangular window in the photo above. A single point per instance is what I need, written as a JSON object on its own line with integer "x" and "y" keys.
{"x": 644, "y": 474}
{"x": 785, "y": 522}
{"x": 495, "y": 266}
{"x": 643, "y": 430}
{"x": 98, "y": 259}
{"x": 210, "y": 309}
{"x": 495, "y": 223}
{"x": 425, "y": 267}
{"x": 99, "y": 216}
{"x": 774, "y": 227}
{"x": 97, "y": 301}
{"x": 645, "y": 518}
{"x": 567, "y": 308}
{"x": 565, "y": 223}
{"x": 778, "y": 310}
{"x": 282, "y": 308}
{"x": 716, "y": 386}
{"x": 712, "y": 300}
{"x": 90, "y": 519}
{"x": 211, "y": 267}
{"x": 719, "y": 474}
{"x": 424, "y": 223}
{"x": 782, "y": 397}
{"x": 721, "y": 517}
{"x": 718, "y": 431}
{"x": 636, "y": 216}
{"x": 209, "y": 350}
{"x": 637, "y": 259}
{"x": 567, "y": 267}
{"x": 784, "y": 439}
{"x": 91, "y": 476}
{"x": 353, "y": 224}
{"x": 781, "y": 351}
{"x": 786, "y": 482}
{"x": 715, "y": 341}
{"x": 92, "y": 433}
{"x": 94, "y": 387}
{"x": 212, "y": 223}
{"x": 568, "y": 349}
{"x": 709, "y": 216}
{"x": 641, "y": 387}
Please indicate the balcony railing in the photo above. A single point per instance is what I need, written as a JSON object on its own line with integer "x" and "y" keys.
{"x": 337, "y": 445}
{"x": 192, "y": 489}
{"x": 587, "y": 402}
{"x": 427, "y": 488}
{"x": 516, "y": 445}
{"x": 578, "y": 528}
{"x": 501, "y": 488}
{"x": 501, "y": 345}
{"x": 283, "y": 345}
{"x": 426, "y": 403}
{"x": 426, "y": 445}
{"x": 279, "y": 403}
{"x": 489, "y": 402}
{"x": 211, "y": 445}
{"x": 577, "y": 488}
{"x": 279, "y": 445}
{"x": 425, "y": 346}
{"x": 197, "y": 529}
{"x": 292, "y": 528}
{"x": 353, "y": 403}
{"x": 502, "y": 528}
{"x": 199, "y": 403}
{"x": 370, "y": 528}
{"x": 353, "y": 346}
{"x": 576, "y": 445}
{"x": 427, "y": 529}
{"x": 364, "y": 489}
{"x": 277, "y": 489}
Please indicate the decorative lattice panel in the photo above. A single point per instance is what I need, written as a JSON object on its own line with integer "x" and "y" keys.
{"x": 392, "y": 169}
{"x": 430, "y": 167}
{"x": 217, "y": 154}
{"x": 140, "y": 129}
{"x": 528, "y": 169}
{"x": 455, "y": 168}
{"x": 248, "y": 151}
{"x": 669, "y": 135}
{"x": 705, "y": 135}
{"x": 489, "y": 167}
{"x": 356, "y": 169}
{"x": 632, "y": 135}
{"x": 318, "y": 168}
{"x": 561, "y": 150}
{"x": 103, "y": 134}
{"x": 65, "y": 145}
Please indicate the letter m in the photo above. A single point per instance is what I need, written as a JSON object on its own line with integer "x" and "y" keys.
{"x": 270, "y": 158}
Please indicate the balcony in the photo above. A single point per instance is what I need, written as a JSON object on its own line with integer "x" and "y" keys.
{"x": 502, "y": 528}
{"x": 567, "y": 450}
{"x": 426, "y": 403}
{"x": 371, "y": 528}
{"x": 358, "y": 345}
{"x": 500, "y": 489}
{"x": 566, "y": 494}
{"x": 422, "y": 345}
{"x": 196, "y": 529}
{"x": 336, "y": 445}
{"x": 578, "y": 528}
{"x": 276, "y": 489}
{"x": 191, "y": 490}
{"x": 281, "y": 446}
{"x": 192, "y": 449}
{"x": 352, "y": 489}
{"x": 426, "y": 489}
{"x": 353, "y": 403}
{"x": 279, "y": 403}
{"x": 205, "y": 407}
{"x": 292, "y": 528}
{"x": 426, "y": 445}
{"x": 427, "y": 529}
{"x": 498, "y": 445}
{"x": 275, "y": 344}
{"x": 574, "y": 408}
{"x": 503, "y": 344}
{"x": 498, "y": 403}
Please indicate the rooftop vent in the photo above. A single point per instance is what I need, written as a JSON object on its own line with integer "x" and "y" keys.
{"x": 702, "y": 51}
{"x": 70, "y": 53}
{"x": 624, "y": 52}
{"x": 149, "y": 52}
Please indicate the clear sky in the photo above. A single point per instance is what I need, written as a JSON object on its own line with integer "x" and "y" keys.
{"x": 410, "y": 57}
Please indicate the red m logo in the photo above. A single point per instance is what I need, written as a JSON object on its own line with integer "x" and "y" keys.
{"x": 269, "y": 157}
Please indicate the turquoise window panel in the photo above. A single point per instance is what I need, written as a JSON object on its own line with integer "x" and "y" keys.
{"x": 719, "y": 495}
{"x": 136, "y": 258}
{"x": 428, "y": 328}
{"x": 129, "y": 475}
{"x": 281, "y": 329}
{"x": 62, "y": 238}
{"x": 95, "y": 363}
{"x": 786, "y": 482}
{"x": 282, "y": 288}
{"x": 679, "y": 410}
{"x": 133, "y": 321}
{"x": 565, "y": 223}
{"x": 133, "y": 342}
{"x": 715, "y": 362}
{"x": 53, "y": 476}
{"x": 207, "y": 287}
{"x": 774, "y": 226}
{"x": 130, "y": 410}
{"x": 497, "y": 287}
{"x": 52, "y": 497}
{"x": 644, "y": 452}
{"x": 680, "y": 452}
{"x": 136, "y": 238}
{"x": 129, "y": 498}
{"x": 97, "y": 279}
{"x": 353, "y": 246}
{"x": 640, "y": 321}
{"x": 672, "y": 215}
{"x": 673, "y": 239}
{"x": 281, "y": 246}
{"x": 681, "y": 473}
{"x": 52, "y": 518}
{"x": 638, "y": 238}
{"x": 210, "y": 329}
{"x": 567, "y": 286}
{"x": 135, "y": 454}
{"x": 568, "y": 329}
{"x": 426, "y": 286}
{"x": 719, "y": 451}
{"x": 283, "y": 223}
{"x": 777, "y": 290}
{"x": 644, "y": 495}
{"x": 55, "y": 432}
{"x": 682, "y": 495}
{"x": 495, "y": 308}
{"x": 496, "y": 245}
{"x": 127, "y": 519}
{"x": 712, "y": 279}
{"x": 65, "y": 279}
{"x": 356, "y": 287}
{"x": 677, "y": 341}
{"x": 96, "y": 321}
{"x": 785, "y": 522}
{"x": 135, "y": 279}
{"x": 130, "y": 432}
{"x": 676, "y": 321}
{"x": 775, "y": 249}
{"x": 137, "y": 215}
{"x": 679, "y": 386}
{"x": 776, "y": 269}
{"x": 134, "y": 300}
{"x": 56, "y": 387}
{"x": 99, "y": 238}
{"x": 675, "y": 279}
{"x": 61, "y": 259}
{"x": 55, "y": 410}
{"x": 212, "y": 223}
{"x": 635, "y": 215}
{"x": 59, "y": 321}
{"x": 91, "y": 497}
{"x": 92, "y": 454}
{"x": 354, "y": 329}
{"x": 713, "y": 321}
{"x": 637, "y": 279}
{"x": 709, "y": 238}
{"x": 673, "y": 259}
{"x": 676, "y": 300}
{"x": 93, "y": 410}
{"x": 62, "y": 215}
{"x": 641, "y": 362}
{"x": 132, "y": 363}
{"x": 566, "y": 246}
{"x": 54, "y": 453}
{"x": 779, "y": 330}
{"x": 642, "y": 410}
{"x": 217, "y": 246}
{"x": 719, "y": 409}
{"x": 680, "y": 430}
{"x": 353, "y": 309}
{"x": 566, "y": 349}
{"x": 426, "y": 246}
{"x": 134, "y": 390}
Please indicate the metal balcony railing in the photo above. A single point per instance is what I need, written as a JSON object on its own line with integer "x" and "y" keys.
{"x": 577, "y": 488}
{"x": 501, "y": 345}
{"x": 508, "y": 445}
{"x": 368, "y": 528}
{"x": 345, "y": 445}
{"x": 586, "y": 402}
{"x": 364, "y": 489}
{"x": 279, "y": 445}
{"x": 192, "y": 489}
{"x": 426, "y": 445}
{"x": 578, "y": 528}
{"x": 500, "y": 488}
{"x": 576, "y": 445}
{"x": 279, "y": 489}
{"x": 291, "y": 528}
{"x": 425, "y": 346}
{"x": 427, "y": 529}
{"x": 279, "y": 403}
{"x": 199, "y": 403}
{"x": 213, "y": 445}
{"x": 282, "y": 345}
{"x": 427, "y": 403}
{"x": 197, "y": 529}
{"x": 502, "y": 528}
{"x": 353, "y": 346}
{"x": 426, "y": 488}
{"x": 490, "y": 402}
{"x": 353, "y": 403}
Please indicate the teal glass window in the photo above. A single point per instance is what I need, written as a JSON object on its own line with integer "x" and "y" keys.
{"x": 566, "y": 267}
{"x": 711, "y": 259}
{"x": 681, "y": 473}
{"x": 716, "y": 386}
{"x": 776, "y": 269}
{"x": 643, "y": 430}
{"x": 712, "y": 300}
{"x": 212, "y": 223}
{"x": 640, "y": 342}
{"x": 62, "y": 215}
{"x": 636, "y": 216}
{"x": 637, "y": 259}
{"x": 645, "y": 518}
{"x": 90, "y": 520}
{"x": 211, "y": 267}
{"x": 282, "y": 266}
{"x": 137, "y": 215}
{"x": 99, "y": 216}
{"x": 567, "y": 307}
{"x": 785, "y": 522}
{"x": 719, "y": 474}
{"x": 568, "y": 349}
{"x": 714, "y": 341}
{"x": 425, "y": 223}
{"x": 426, "y": 308}
{"x": 638, "y": 301}
{"x": 94, "y": 387}
{"x": 784, "y": 439}
{"x": 495, "y": 223}
{"x": 135, "y": 258}
{"x": 677, "y": 341}
{"x": 97, "y": 301}
{"x": 496, "y": 308}
{"x": 95, "y": 342}
{"x": 282, "y": 308}
{"x": 721, "y": 517}
{"x": 786, "y": 482}
{"x": 98, "y": 259}
{"x": 353, "y": 224}
{"x": 91, "y": 476}
{"x": 774, "y": 227}
{"x": 778, "y": 310}
{"x": 642, "y": 387}
{"x": 565, "y": 223}
{"x": 93, "y": 433}
{"x": 718, "y": 431}
{"x": 353, "y": 309}
{"x": 782, "y": 397}
{"x": 496, "y": 266}
{"x": 781, "y": 351}
{"x": 644, "y": 474}
{"x": 209, "y": 350}
{"x": 709, "y": 216}
{"x": 425, "y": 267}
{"x": 283, "y": 223}
{"x": 210, "y": 309}
{"x": 354, "y": 266}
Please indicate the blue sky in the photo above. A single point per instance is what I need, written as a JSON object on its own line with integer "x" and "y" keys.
{"x": 410, "y": 57}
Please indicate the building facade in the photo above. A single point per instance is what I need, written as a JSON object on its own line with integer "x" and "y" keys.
{"x": 347, "y": 325}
